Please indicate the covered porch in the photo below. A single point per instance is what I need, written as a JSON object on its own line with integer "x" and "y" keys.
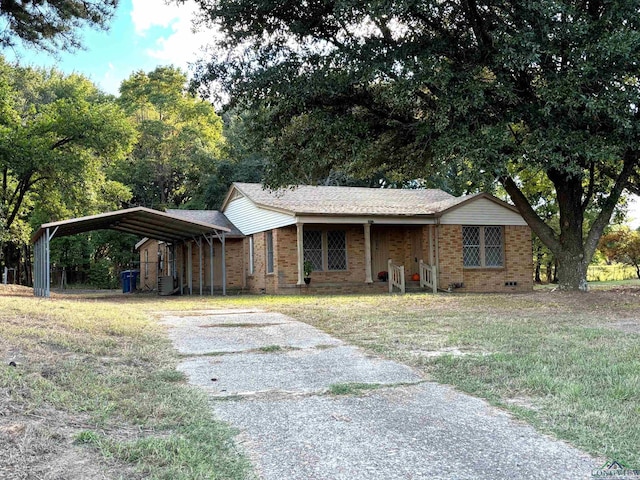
{"x": 175, "y": 232}
{"x": 394, "y": 251}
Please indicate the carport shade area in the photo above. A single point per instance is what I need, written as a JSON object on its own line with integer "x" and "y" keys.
{"x": 138, "y": 220}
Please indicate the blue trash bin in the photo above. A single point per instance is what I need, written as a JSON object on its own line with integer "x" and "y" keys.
{"x": 129, "y": 279}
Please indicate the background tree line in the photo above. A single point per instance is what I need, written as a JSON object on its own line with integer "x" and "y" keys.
{"x": 68, "y": 150}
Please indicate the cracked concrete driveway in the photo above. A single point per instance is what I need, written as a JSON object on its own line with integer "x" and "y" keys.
{"x": 274, "y": 372}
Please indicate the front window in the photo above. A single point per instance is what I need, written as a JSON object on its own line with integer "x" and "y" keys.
{"x": 326, "y": 250}
{"x": 269, "y": 242}
{"x": 251, "y": 261}
{"x": 482, "y": 247}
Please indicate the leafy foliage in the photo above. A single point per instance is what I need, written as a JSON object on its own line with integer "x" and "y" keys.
{"x": 180, "y": 138}
{"x": 52, "y": 24}
{"x": 622, "y": 246}
{"x": 480, "y": 91}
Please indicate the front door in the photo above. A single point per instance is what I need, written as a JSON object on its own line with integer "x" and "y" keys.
{"x": 379, "y": 251}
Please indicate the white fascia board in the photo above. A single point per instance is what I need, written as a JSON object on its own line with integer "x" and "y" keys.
{"x": 322, "y": 219}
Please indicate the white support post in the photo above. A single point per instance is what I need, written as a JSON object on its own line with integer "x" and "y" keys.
{"x": 210, "y": 240}
{"x": 224, "y": 267}
{"x": 367, "y": 253}
{"x": 300, "y": 251}
{"x": 200, "y": 269}
{"x": 390, "y": 274}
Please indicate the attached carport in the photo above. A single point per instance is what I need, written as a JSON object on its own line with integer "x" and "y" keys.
{"x": 139, "y": 221}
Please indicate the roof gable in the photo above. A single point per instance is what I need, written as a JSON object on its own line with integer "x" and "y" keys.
{"x": 324, "y": 200}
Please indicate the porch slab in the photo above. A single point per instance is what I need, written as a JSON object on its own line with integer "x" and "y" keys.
{"x": 300, "y": 371}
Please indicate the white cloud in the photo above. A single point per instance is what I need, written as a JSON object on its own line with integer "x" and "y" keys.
{"x": 146, "y": 14}
{"x": 634, "y": 211}
{"x": 182, "y": 45}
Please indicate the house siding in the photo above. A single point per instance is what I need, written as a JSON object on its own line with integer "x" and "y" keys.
{"x": 482, "y": 212}
{"x": 518, "y": 262}
{"x": 249, "y": 218}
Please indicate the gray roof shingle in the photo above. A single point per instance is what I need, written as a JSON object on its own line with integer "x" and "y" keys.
{"x": 316, "y": 200}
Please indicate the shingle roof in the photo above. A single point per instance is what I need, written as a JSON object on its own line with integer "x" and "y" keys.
{"x": 312, "y": 200}
{"x": 213, "y": 217}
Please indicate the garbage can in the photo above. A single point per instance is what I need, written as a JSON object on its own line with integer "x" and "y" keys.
{"x": 129, "y": 280}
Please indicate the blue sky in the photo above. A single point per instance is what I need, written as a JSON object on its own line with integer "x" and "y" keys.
{"x": 143, "y": 35}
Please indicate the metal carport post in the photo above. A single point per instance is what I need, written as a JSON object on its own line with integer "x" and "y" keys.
{"x": 41, "y": 258}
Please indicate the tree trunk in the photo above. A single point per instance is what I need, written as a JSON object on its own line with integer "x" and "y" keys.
{"x": 572, "y": 273}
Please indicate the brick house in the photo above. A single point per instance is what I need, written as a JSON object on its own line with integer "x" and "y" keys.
{"x": 354, "y": 238}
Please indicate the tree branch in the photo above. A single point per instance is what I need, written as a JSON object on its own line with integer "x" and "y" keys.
{"x": 630, "y": 161}
{"x": 544, "y": 231}
{"x": 589, "y": 195}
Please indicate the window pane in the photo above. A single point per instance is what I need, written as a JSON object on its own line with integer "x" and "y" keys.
{"x": 269, "y": 238}
{"x": 471, "y": 246}
{"x": 336, "y": 250}
{"x": 251, "y": 261}
{"x": 313, "y": 248}
{"x": 493, "y": 246}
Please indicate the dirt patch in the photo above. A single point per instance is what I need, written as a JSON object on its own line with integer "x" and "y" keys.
{"x": 631, "y": 325}
{"x": 41, "y": 446}
{"x": 239, "y": 325}
{"x": 16, "y": 290}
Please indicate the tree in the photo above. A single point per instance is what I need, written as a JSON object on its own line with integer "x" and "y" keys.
{"x": 437, "y": 89}
{"x": 180, "y": 138}
{"x": 622, "y": 246}
{"x": 51, "y": 24}
{"x": 58, "y": 134}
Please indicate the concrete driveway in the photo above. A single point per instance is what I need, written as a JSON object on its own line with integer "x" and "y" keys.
{"x": 273, "y": 374}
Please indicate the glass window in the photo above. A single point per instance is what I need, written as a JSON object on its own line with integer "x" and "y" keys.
{"x": 336, "y": 250}
{"x": 269, "y": 242}
{"x": 312, "y": 241}
{"x": 251, "y": 261}
{"x": 482, "y": 247}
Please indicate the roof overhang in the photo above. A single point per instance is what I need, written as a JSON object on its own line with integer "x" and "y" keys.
{"x": 141, "y": 221}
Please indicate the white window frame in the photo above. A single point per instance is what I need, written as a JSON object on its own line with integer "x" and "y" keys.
{"x": 146, "y": 263}
{"x": 481, "y": 235}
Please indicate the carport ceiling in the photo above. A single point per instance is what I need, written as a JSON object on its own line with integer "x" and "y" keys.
{"x": 141, "y": 221}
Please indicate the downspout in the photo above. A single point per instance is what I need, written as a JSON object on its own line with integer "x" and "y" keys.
{"x": 437, "y": 247}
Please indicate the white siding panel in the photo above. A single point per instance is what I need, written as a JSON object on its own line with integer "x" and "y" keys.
{"x": 249, "y": 218}
{"x": 482, "y": 212}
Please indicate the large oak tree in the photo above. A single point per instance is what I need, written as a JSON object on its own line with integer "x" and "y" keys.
{"x": 439, "y": 87}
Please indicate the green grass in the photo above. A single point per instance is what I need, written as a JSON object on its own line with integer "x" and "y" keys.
{"x": 110, "y": 367}
{"x": 556, "y": 360}
{"x": 352, "y": 388}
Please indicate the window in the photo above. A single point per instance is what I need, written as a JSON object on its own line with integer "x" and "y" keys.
{"x": 146, "y": 263}
{"x": 336, "y": 250}
{"x": 269, "y": 242}
{"x": 482, "y": 246}
{"x": 326, "y": 250}
{"x": 313, "y": 248}
{"x": 251, "y": 263}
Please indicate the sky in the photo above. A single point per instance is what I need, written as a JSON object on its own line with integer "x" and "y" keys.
{"x": 143, "y": 35}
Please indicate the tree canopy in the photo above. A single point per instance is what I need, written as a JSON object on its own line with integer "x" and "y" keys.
{"x": 180, "y": 139}
{"x": 58, "y": 136}
{"x": 435, "y": 89}
{"x": 51, "y": 24}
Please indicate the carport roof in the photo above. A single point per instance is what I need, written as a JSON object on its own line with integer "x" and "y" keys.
{"x": 138, "y": 220}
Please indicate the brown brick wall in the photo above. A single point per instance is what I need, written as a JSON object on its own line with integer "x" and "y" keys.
{"x": 517, "y": 255}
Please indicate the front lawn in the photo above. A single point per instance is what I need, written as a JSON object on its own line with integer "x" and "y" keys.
{"x": 569, "y": 364}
